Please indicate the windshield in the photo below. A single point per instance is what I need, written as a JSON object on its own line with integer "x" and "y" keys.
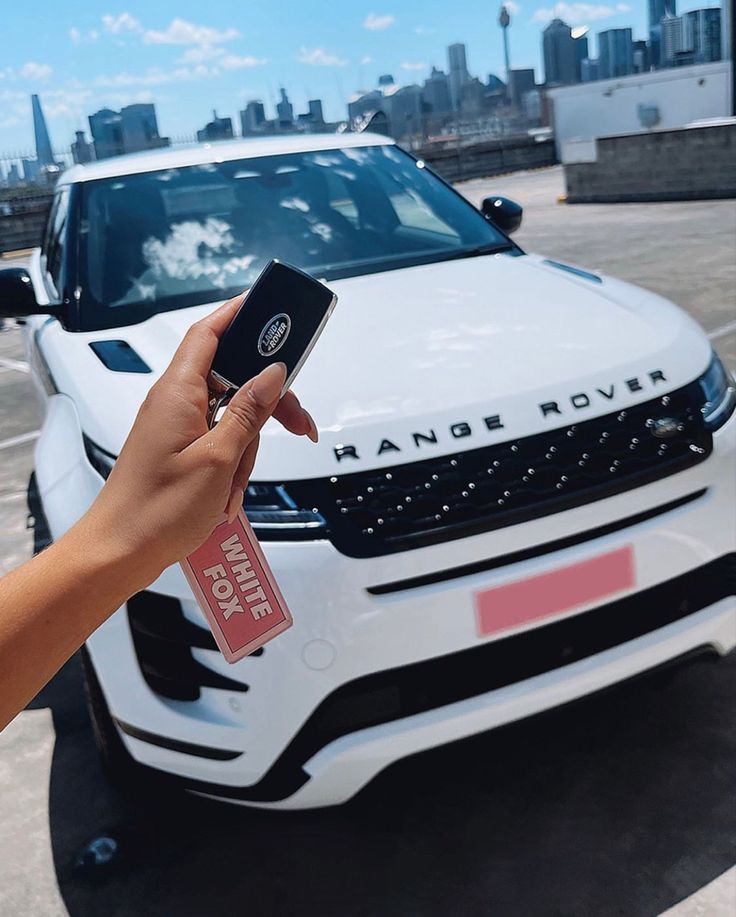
{"x": 178, "y": 237}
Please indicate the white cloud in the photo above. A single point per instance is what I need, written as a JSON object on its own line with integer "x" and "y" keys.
{"x": 240, "y": 61}
{"x": 377, "y": 23}
{"x": 34, "y": 71}
{"x": 202, "y": 53}
{"x": 579, "y": 13}
{"x": 123, "y": 22}
{"x": 181, "y": 32}
{"x": 366, "y": 60}
{"x": 513, "y": 8}
{"x": 423, "y": 30}
{"x": 79, "y": 37}
{"x": 319, "y": 57}
{"x": 413, "y": 65}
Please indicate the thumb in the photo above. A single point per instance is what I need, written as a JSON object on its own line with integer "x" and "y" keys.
{"x": 249, "y": 409}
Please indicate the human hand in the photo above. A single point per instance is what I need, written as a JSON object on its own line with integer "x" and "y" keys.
{"x": 174, "y": 477}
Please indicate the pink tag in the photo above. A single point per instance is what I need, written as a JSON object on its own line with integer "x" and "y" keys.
{"x": 552, "y": 593}
{"x": 236, "y": 589}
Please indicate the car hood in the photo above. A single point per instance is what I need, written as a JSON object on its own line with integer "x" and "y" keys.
{"x": 464, "y": 352}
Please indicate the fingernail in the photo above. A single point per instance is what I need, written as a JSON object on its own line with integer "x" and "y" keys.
{"x": 313, "y": 432}
{"x": 234, "y": 504}
{"x": 267, "y": 385}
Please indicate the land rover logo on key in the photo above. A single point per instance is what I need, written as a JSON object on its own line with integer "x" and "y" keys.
{"x": 664, "y": 427}
{"x": 274, "y": 334}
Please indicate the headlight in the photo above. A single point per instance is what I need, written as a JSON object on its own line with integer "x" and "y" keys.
{"x": 719, "y": 391}
{"x": 274, "y": 514}
{"x": 271, "y": 511}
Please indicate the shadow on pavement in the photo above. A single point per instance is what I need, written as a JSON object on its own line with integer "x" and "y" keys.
{"x": 621, "y": 804}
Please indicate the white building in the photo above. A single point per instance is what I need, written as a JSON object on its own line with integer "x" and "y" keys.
{"x": 658, "y": 99}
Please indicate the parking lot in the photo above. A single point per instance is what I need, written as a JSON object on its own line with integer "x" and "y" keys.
{"x": 621, "y": 804}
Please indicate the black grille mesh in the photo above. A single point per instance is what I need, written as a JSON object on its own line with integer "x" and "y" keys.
{"x": 407, "y": 506}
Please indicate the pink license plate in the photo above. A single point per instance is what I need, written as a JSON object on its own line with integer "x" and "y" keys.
{"x": 547, "y": 594}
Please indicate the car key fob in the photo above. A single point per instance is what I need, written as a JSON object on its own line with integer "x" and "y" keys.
{"x": 279, "y": 321}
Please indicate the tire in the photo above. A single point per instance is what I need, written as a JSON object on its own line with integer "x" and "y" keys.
{"x": 118, "y": 764}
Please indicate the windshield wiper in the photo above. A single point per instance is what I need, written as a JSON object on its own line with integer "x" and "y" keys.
{"x": 489, "y": 249}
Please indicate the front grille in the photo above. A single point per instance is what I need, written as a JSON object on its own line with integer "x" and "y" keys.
{"x": 421, "y": 686}
{"x": 407, "y": 506}
{"x": 163, "y": 640}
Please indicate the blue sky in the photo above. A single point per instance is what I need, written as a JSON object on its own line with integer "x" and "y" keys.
{"x": 190, "y": 57}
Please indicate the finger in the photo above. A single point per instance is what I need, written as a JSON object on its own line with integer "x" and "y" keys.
{"x": 249, "y": 409}
{"x": 240, "y": 479}
{"x": 295, "y": 418}
{"x": 197, "y": 351}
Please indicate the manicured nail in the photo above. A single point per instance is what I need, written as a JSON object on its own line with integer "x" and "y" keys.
{"x": 234, "y": 504}
{"x": 267, "y": 385}
{"x": 313, "y": 432}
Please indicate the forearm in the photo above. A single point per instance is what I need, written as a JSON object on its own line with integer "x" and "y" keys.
{"x": 50, "y": 605}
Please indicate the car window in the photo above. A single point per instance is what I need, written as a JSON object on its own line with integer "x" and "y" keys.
{"x": 55, "y": 241}
{"x": 177, "y": 237}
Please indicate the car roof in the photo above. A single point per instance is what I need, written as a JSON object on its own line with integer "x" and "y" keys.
{"x": 220, "y": 151}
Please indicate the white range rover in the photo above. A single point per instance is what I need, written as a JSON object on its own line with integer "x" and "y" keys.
{"x": 523, "y": 492}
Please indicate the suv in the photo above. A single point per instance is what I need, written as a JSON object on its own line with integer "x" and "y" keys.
{"x": 523, "y": 490}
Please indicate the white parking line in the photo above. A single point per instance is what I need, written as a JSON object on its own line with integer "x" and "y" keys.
{"x": 20, "y": 365}
{"x": 728, "y": 328}
{"x": 19, "y": 440}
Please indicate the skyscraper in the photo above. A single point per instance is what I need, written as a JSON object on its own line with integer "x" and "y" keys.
{"x": 615, "y": 53}
{"x": 106, "y": 128}
{"x": 701, "y": 34}
{"x": 436, "y": 92}
{"x": 44, "y": 154}
{"x": 285, "y": 110}
{"x": 252, "y": 118}
{"x": 216, "y": 129}
{"x": 81, "y": 150}
{"x": 659, "y": 10}
{"x": 140, "y": 128}
{"x": 560, "y": 60}
{"x": 580, "y": 37}
{"x": 520, "y": 82}
{"x": 459, "y": 75}
{"x": 671, "y": 40}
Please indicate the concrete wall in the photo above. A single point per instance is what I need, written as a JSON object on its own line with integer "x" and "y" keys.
{"x": 490, "y": 157}
{"x": 22, "y": 221}
{"x": 696, "y": 163}
{"x": 611, "y": 107}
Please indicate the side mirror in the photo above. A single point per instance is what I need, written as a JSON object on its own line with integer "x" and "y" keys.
{"x": 17, "y": 298}
{"x": 504, "y": 213}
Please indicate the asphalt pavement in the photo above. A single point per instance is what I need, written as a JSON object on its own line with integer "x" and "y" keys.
{"x": 620, "y": 804}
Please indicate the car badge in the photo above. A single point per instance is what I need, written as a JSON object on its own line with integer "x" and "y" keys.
{"x": 664, "y": 427}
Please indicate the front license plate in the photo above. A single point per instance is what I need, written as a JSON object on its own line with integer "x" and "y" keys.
{"x": 548, "y": 594}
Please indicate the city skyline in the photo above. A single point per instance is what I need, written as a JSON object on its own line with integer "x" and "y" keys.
{"x": 214, "y": 64}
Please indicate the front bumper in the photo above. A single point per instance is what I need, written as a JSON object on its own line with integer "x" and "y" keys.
{"x": 275, "y": 735}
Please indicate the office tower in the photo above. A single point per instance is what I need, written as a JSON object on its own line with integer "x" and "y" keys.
{"x": 658, "y": 10}
{"x": 504, "y": 20}
{"x": 284, "y": 110}
{"x": 671, "y": 40}
{"x": 13, "y": 177}
{"x": 81, "y": 150}
{"x": 216, "y": 129}
{"x": 580, "y": 37}
{"x": 140, "y": 128}
{"x": 385, "y": 79}
{"x": 436, "y": 92}
{"x": 701, "y": 34}
{"x": 640, "y": 56}
{"x": 316, "y": 115}
{"x": 106, "y": 128}
{"x": 560, "y": 62}
{"x": 459, "y": 75}
{"x": 252, "y": 118}
{"x": 31, "y": 170}
{"x": 44, "y": 154}
{"x": 589, "y": 70}
{"x": 726, "y": 26}
{"x": 520, "y": 82}
{"x": 405, "y": 111}
{"x": 615, "y": 53}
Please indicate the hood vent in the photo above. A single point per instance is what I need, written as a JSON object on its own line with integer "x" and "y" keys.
{"x": 119, "y": 356}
